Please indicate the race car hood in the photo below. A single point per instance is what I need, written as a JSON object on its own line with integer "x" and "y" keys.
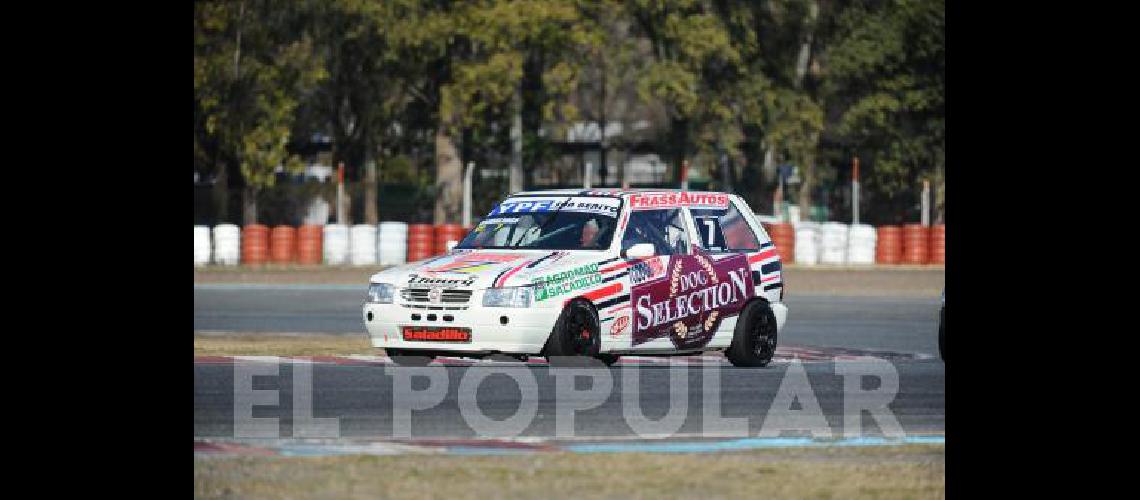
{"x": 474, "y": 269}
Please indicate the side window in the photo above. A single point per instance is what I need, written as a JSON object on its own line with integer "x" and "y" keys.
{"x": 662, "y": 228}
{"x": 724, "y": 230}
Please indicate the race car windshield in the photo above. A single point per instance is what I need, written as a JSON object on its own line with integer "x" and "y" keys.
{"x": 565, "y": 223}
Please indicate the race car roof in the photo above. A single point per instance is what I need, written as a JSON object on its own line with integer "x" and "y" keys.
{"x": 606, "y": 192}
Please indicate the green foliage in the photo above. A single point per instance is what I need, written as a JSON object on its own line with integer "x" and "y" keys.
{"x": 737, "y": 77}
{"x": 251, "y": 68}
{"x": 887, "y": 69}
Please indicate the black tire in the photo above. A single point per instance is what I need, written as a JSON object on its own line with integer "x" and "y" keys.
{"x": 402, "y": 358}
{"x": 576, "y": 334}
{"x": 608, "y": 359}
{"x": 942, "y": 334}
{"x": 754, "y": 340}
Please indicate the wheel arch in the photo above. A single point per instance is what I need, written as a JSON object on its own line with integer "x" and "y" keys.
{"x": 566, "y": 304}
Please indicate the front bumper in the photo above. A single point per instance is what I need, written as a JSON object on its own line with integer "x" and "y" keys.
{"x": 526, "y": 331}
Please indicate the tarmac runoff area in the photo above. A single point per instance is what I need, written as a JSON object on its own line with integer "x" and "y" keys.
{"x": 835, "y": 317}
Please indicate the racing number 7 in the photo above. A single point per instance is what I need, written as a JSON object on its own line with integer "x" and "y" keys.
{"x": 712, "y": 231}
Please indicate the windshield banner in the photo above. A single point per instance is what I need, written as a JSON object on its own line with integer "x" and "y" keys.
{"x": 534, "y": 205}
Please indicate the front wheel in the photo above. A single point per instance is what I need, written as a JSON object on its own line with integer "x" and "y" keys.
{"x": 404, "y": 359}
{"x": 576, "y": 334}
{"x": 754, "y": 340}
{"x": 942, "y": 334}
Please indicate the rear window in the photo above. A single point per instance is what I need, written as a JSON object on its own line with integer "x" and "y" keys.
{"x": 724, "y": 230}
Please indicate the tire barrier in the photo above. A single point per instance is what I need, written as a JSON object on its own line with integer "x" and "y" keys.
{"x": 784, "y": 237}
{"x": 421, "y": 242}
{"x": 362, "y": 245}
{"x": 916, "y": 244}
{"x": 335, "y": 244}
{"x": 395, "y": 243}
{"x": 254, "y": 244}
{"x": 833, "y": 243}
{"x": 309, "y": 244}
{"x": 861, "y": 244}
{"x": 282, "y": 242}
{"x": 201, "y": 245}
{"x": 227, "y": 245}
{"x": 392, "y": 243}
{"x": 889, "y": 245}
{"x": 807, "y": 243}
{"x": 938, "y": 244}
{"x": 445, "y": 235}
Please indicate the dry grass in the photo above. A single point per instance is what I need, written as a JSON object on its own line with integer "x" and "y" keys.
{"x": 878, "y": 472}
{"x": 282, "y": 345}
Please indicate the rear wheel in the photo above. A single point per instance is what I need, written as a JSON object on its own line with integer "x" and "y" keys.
{"x": 576, "y": 334}
{"x": 754, "y": 340}
{"x": 608, "y": 359}
{"x": 942, "y": 333}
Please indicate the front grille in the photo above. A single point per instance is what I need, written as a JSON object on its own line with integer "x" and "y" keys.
{"x": 435, "y": 308}
{"x": 421, "y": 295}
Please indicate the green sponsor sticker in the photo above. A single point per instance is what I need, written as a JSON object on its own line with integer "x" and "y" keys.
{"x": 565, "y": 282}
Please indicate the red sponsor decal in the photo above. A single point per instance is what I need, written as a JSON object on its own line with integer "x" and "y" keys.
{"x": 473, "y": 262}
{"x": 616, "y": 267}
{"x": 508, "y": 274}
{"x": 771, "y": 252}
{"x": 619, "y": 325}
{"x": 437, "y": 334}
{"x": 649, "y": 201}
{"x": 603, "y": 292}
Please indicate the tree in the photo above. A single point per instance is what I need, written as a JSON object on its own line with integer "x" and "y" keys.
{"x": 886, "y": 72}
{"x": 365, "y": 94}
{"x": 689, "y": 46}
{"x": 471, "y": 57}
{"x": 253, "y": 62}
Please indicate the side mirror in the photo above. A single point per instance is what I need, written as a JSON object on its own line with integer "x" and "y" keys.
{"x": 639, "y": 251}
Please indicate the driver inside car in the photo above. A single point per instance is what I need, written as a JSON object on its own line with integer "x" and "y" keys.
{"x": 589, "y": 234}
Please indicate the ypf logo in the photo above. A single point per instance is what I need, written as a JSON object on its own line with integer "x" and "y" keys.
{"x": 619, "y": 326}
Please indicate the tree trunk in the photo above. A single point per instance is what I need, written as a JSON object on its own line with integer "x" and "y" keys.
{"x": 221, "y": 194}
{"x": 449, "y": 177}
{"x": 725, "y": 171}
{"x": 370, "y": 215}
{"x": 807, "y": 175}
{"x": 249, "y": 205}
{"x": 804, "y": 55}
{"x": 940, "y": 193}
{"x": 808, "y": 158}
{"x": 603, "y": 168}
{"x": 680, "y": 134}
{"x": 768, "y": 169}
{"x": 516, "y": 173}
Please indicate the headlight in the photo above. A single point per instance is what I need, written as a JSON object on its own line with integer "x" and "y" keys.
{"x": 507, "y": 297}
{"x": 380, "y": 293}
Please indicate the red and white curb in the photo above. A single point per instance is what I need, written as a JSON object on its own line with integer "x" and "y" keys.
{"x": 783, "y": 355}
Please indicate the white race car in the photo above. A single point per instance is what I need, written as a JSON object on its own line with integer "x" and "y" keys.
{"x": 596, "y": 273}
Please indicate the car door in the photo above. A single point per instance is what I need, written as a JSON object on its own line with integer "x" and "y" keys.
{"x": 730, "y": 236}
{"x": 681, "y": 295}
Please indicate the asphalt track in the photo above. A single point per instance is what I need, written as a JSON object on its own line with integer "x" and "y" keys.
{"x": 905, "y": 324}
{"x": 361, "y": 397}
